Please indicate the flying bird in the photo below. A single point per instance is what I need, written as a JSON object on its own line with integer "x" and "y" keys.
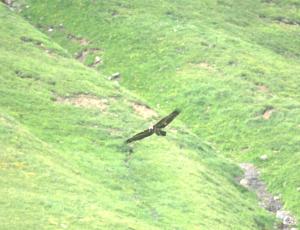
{"x": 157, "y": 128}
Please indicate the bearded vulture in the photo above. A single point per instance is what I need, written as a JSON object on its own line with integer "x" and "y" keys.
{"x": 157, "y": 128}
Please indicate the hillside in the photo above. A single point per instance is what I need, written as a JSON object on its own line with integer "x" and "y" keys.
{"x": 64, "y": 164}
{"x": 232, "y": 66}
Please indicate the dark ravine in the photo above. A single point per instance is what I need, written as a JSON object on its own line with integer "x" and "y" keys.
{"x": 251, "y": 181}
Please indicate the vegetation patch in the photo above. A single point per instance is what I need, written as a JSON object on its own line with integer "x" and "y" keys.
{"x": 148, "y": 47}
{"x": 152, "y": 45}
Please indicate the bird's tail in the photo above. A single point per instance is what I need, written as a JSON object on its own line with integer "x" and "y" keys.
{"x": 161, "y": 133}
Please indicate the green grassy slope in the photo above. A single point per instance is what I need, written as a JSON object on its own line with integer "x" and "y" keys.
{"x": 223, "y": 62}
{"x": 63, "y": 166}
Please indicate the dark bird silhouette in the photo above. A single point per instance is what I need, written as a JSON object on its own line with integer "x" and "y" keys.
{"x": 157, "y": 128}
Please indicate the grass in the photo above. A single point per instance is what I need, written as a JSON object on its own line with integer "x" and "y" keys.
{"x": 223, "y": 62}
{"x": 63, "y": 166}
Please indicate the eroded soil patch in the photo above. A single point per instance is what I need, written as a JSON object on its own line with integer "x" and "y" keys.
{"x": 143, "y": 110}
{"x": 287, "y": 21}
{"x": 39, "y": 44}
{"x": 268, "y": 113}
{"x": 262, "y": 89}
{"x": 204, "y": 65}
{"x": 86, "y": 101}
{"x": 83, "y": 55}
{"x": 80, "y": 40}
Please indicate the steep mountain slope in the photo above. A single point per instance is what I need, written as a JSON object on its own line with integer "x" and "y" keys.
{"x": 64, "y": 165}
{"x": 233, "y": 66}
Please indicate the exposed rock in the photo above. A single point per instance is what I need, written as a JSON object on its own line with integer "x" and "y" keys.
{"x": 264, "y": 157}
{"x": 115, "y": 76}
{"x": 244, "y": 182}
{"x": 97, "y": 60}
{"x": 8, "y": 2}
{"x": 276, "y": 197}
{"x": 252, "y": 182}
{"x": 286, "y": 217}
{"x": 289, "y": 220}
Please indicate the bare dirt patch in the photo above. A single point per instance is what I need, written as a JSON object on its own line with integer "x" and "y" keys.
{"x": 85, "y": 101}
{"x": 268, "y": 113}
{"x": 262, "y": 89}
{"x": 81, "y": 41}
{"x": 87, "y": 52}
{"x": 204, "y": 65}
{"x": 143, "y": 110}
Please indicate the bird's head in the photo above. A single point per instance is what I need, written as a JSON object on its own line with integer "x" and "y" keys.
{"x": 151, "y": 127}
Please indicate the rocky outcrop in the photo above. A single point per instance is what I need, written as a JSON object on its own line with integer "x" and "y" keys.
{"x": 251, "y": 181}
{"x": 8, "y": 2}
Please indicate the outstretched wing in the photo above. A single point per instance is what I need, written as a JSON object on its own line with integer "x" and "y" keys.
{"x": 141, "y": 135}
{"x": 166, "y": 120}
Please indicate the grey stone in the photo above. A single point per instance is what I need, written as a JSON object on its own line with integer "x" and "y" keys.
{"x": 264, "y": 157}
